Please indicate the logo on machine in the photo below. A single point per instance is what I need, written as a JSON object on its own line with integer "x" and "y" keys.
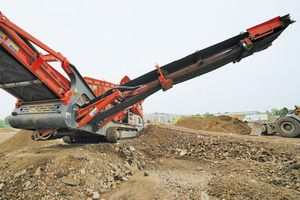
{"x": 2, "y": 36}
{"x": 68, "y": 115}
{"x": 12, "y": 45}
{"x": 93, "y": 112}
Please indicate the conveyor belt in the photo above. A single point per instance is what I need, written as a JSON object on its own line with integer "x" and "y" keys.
{"x": 12, "y": 71}
{"x": 223, "y": 53}
{"x": 188, "y": 61}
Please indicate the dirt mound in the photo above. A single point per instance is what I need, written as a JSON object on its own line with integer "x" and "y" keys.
{"x": 221, "y": 123}
{"x": 21, "y": 140}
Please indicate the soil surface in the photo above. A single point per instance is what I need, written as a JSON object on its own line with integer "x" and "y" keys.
{"x": 6, "y": 133}
{"x": 164, "y": 162}
{"x": 221, "y": 123}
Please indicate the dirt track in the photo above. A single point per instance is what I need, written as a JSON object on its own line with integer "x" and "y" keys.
{"x": 180, "y": 163}
{"x": 6, "y": 133}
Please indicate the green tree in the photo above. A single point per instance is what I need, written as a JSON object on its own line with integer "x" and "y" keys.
{"x": 208, "y": 115}
{"x": 277, "y": 112}
{"x": 2, "y": 123}
{"x": 6, "y": 120}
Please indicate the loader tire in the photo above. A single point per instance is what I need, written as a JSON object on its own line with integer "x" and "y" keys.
{"x": 112, "y": 135}
{"x": 288, "y": 127}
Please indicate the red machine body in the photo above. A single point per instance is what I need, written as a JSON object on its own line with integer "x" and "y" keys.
{"x": 100, "y": 87}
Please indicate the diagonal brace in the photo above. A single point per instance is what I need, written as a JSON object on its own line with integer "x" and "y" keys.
{"x": 99, "y": 107}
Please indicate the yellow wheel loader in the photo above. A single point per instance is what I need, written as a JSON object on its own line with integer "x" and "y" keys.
{"x": 287, "y": 125}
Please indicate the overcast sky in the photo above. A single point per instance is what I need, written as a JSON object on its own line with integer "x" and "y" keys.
{"x": 111, "y": 39}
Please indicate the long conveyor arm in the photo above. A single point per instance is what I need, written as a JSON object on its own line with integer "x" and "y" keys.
{"x": 233, "y": 50}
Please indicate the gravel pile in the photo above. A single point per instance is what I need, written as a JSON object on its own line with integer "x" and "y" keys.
{"x": 225, "y": 124}
{"x": 83, "y": 172}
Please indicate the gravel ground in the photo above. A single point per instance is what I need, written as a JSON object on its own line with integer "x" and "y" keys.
{"x": 164, "y": 162}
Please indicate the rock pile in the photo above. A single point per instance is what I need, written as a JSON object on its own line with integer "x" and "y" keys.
{"x": 83, "y": 172}
{"x": 275, "y": 166}
{"x": 171, "y": 141}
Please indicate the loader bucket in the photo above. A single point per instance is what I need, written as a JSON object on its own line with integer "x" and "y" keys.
{"x": 257, "y": 129}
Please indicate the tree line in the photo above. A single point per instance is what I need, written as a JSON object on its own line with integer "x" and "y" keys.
{"x": 277, "y": 112}
{"x": 274, "y": 111}
{"x": 207, "y": 114}
{"x": 5, "y": 122}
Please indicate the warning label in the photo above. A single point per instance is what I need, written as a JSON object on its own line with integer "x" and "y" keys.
{"x": 68, "y": 115}
{"x": 93, "y": 112}
{"x": 12, "y": 45}
{"x": 2, "y": 36}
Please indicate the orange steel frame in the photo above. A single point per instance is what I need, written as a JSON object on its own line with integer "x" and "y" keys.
{"x": 99, "y": 87}
{"x": 39, "y": 65}
{"x": 100, "y": 106}
{"x": 265, "y": 28}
